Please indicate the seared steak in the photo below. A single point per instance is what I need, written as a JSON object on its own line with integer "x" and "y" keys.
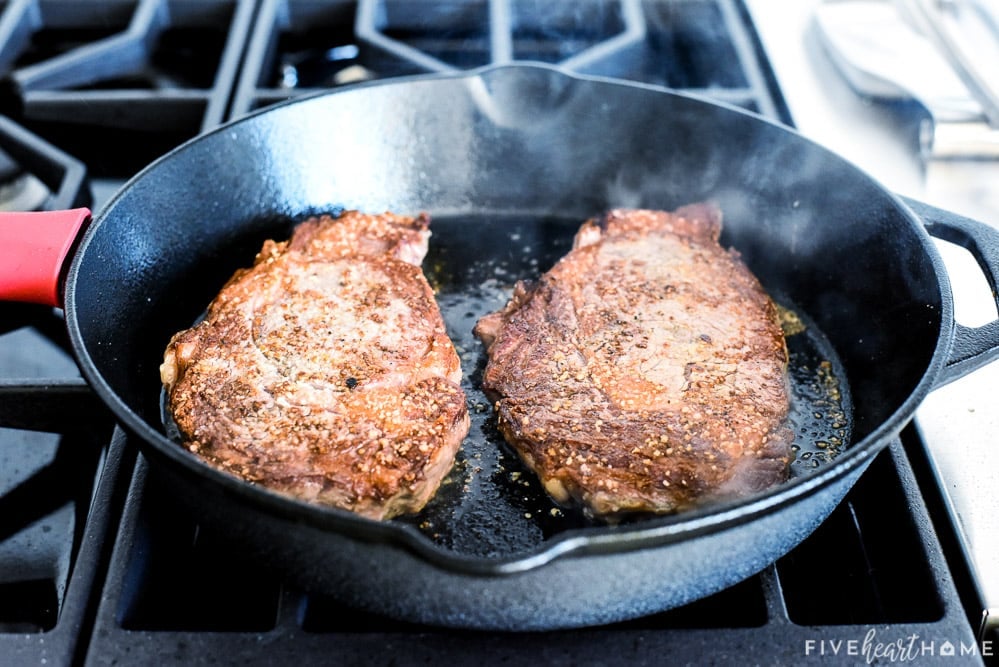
{"x": 324, "y": 371}
{"x": 646, "y": 371}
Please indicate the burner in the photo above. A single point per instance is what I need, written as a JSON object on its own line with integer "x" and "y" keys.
{"x": 321, "y": 67}
{"x": 19, "y": 190}
{"x": 36, "y": 175}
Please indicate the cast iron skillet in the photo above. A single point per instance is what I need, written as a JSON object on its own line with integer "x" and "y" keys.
{"x": 508, "y": 161}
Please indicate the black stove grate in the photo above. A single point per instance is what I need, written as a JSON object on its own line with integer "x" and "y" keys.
{"x": 698, "y": 46}
{"x": 96, "y": 565}
{"x": 117, "y": 84}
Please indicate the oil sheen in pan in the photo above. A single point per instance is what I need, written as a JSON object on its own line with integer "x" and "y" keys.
{"x": 491, "y": 505}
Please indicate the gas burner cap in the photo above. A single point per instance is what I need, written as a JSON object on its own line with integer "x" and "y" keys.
{"x": 19, "y": 189}
{"x": 23, "y": 193}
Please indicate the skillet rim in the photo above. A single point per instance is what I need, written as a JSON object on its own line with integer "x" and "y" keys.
{"x": 590, "y": 540}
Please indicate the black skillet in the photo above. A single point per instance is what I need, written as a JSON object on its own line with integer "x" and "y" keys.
{"x": 508, "y": 161}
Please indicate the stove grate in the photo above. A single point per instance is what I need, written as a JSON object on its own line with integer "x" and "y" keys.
{"x": 117, "y": 84}
{"x": 704, "y": 47}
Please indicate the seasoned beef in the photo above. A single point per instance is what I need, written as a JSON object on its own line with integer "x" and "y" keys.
{"x": 324, "y": 371}
{"x": 646, "y": 371}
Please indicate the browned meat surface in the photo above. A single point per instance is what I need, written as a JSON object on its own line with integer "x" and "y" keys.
{"x": 324, "y": 371}
{"x": 646, "y": 371}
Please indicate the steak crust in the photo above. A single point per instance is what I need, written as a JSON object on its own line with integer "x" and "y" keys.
{"x": 646, "y": 371}
{"x": 324, "y": 371}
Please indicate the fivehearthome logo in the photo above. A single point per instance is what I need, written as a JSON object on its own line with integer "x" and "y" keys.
{"x": 873, "y": 648}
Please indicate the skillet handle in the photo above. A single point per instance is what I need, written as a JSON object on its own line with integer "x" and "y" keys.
{"x": 35, "y": 249}
{"x": 972, "y": 347}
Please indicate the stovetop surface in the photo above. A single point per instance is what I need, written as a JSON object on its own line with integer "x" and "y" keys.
{"x": 97, "y": 567}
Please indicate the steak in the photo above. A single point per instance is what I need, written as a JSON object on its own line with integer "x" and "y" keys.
{"x": 324, "y": 371}
{"x": 646, "y": 372}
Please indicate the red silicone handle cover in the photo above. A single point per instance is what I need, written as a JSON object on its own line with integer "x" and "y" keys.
{"x": 34, "y": 248}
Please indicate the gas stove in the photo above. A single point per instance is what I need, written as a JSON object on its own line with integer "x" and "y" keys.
{"x": 96, "y": 564}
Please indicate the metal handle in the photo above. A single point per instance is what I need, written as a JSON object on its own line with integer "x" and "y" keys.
{"x": 898, "y": 51}
{"x": 972, "y": 347}
{"x": 930, "y": 23}
{"x": 883, "y": 57}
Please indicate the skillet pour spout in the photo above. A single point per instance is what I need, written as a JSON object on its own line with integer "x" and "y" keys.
{"x": 853, "y": 258}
